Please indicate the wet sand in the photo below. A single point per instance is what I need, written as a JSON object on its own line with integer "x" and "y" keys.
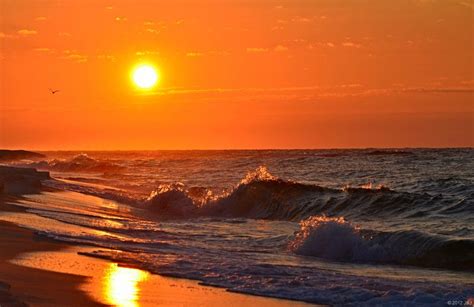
{"x": 40, "y": 272}
{"x": 35, "y": 286}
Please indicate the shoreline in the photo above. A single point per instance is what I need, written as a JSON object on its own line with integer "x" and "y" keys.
{"x": 35, "y": 286}
{"x": 37, "y": 271}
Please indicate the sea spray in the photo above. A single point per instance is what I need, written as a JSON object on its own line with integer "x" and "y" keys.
{"x": 334, "y": 239}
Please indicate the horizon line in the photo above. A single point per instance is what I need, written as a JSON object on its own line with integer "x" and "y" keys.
{"x": 246, "y": 149}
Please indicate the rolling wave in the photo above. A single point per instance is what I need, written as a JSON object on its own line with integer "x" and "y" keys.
{"x": 263, "y": 196}
{"x": 260, "y": 195}
{"x": 317, "y": 238}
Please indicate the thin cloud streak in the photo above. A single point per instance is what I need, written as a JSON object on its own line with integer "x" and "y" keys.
{"x": 27, "y": 32}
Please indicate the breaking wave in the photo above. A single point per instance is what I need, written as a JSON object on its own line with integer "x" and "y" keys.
{"x": 261, "y": 195}
{"x": 317, "y": 238}
{"x": 338, "y": 240}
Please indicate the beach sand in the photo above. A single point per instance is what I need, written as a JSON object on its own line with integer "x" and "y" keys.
{"x": 35, "y": 286}
{"x": 41, "y": 272}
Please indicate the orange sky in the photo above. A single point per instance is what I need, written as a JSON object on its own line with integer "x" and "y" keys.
{"x": 237, "y": 74}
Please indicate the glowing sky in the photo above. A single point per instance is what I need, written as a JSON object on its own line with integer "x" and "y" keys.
{"x": 237, "y": 74}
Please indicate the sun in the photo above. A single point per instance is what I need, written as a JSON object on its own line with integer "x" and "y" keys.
{"x": 145, "y": 76}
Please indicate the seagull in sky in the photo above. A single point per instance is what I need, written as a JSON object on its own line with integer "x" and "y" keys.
{"x": 53, "y": 91}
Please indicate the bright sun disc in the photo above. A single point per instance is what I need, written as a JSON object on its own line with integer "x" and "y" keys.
{"x": 145, "y": 76}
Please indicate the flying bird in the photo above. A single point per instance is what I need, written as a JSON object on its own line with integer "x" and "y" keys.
{"x": 53, "y": 91}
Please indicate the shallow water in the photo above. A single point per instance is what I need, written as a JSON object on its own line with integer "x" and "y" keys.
{"x": 332, "y": 227}
{"x": 122, "y": 286}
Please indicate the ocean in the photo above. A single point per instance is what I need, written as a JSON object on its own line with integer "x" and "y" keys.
{"x": 337, "y": 227}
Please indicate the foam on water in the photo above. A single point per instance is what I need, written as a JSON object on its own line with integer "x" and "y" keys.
{"x": 337, "y": 239}
{"x": 317, "y": 238}
{"x": 245, "y": 255}
{"x": 261, "y": 195}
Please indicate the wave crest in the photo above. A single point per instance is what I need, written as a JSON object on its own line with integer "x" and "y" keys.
{"x": 260, "y": 174}
{"x": 171, "y": 199}
{"x": 334, "y": 239}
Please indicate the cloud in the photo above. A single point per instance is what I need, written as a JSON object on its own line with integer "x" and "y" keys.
{"x": 40, "y": 18}
{"x": 154, "y": 27}
{"x": 301, "y": 19}
{"x": 320, "y": 44}
{"x": 146, "y": 52}
{"x": 352, "y": 85}
{"x": 79, "y": 58}
{"x": 197, "y": 54}
{"x": 65, "y": 34}
{"x": 351, "y": 45}
{"x": 120, "y": 19}
{"x": 26, "y": 32}
{"x": 296, "y": 92}
{"x": 298, "y": 40}
{"x": 152, "y": 30}
{"x": 42, "y": 49}
{"x": 256, "y": 50}
{"x": 440, "y": 90}
{"x": 4, "y": 35}
{"x": 74, "y": 56}
{"x": 308, "y": 92}
{"x": 194, "y": 54}
{"x": 175, "y": 91}
{"x": 280, "y": 48}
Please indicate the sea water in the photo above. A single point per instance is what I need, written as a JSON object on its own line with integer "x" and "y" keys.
{"x": 338, "y": 227}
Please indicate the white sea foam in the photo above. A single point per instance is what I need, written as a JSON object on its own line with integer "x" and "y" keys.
{"x": 335, "y": 239}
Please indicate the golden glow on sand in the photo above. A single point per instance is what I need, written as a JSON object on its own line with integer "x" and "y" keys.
{"x": 122, "y": 285}
{"x": 145, "y": 76}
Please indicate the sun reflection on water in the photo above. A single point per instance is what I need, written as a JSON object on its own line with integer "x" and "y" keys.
{"x": 121, "y": 285}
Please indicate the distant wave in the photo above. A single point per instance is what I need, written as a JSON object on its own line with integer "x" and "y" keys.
{"x": 331, "y": 155}
{"x": 382, "y": 152}
{"x": 14, "y": 155}
{"x": 81, "y": 163}
{"x": 389, "y": 152}
{"x": 336, "y": 239}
